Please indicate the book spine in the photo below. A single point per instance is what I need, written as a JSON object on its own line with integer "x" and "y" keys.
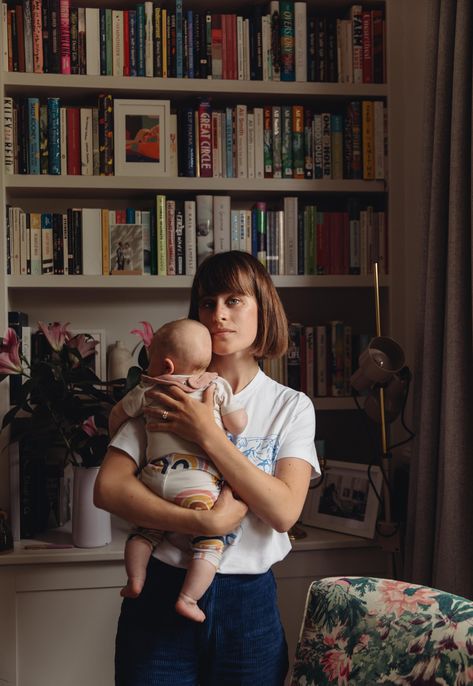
{"x": 86, "y": 141}
{"x": 8, "y": 149}
{"x": 28, "y": 34}
{"x": 205, "y": 139}
{"x": 170, "y": 237}
{"x": 216, "y": 46}
{"x": 117, "y": 55}
{"x": 132, "y": 44}
{"x": 161, "y": 234}
{"x": 357, "y": 42}
{"x": 300, "y": 41}
{"x": 34, "y": 136}
{"x": 64, "y": 36}
{"x": 336, "y": 124}
{"x": 179, "y": 40}
{"x": 190, "y": 236}
{"x": 294, "y": 357}
{"x": 180, "y": 239}
{"x": 82, "y": 48}
{"x": 290, "y": 235}
{"x": 43, "y": 139}
{"x": 367, "y": 64}
{"x": 73, "y": 141}
{"x": 367, "y": 137}
{"x": 242, "y": 141}
{"x": 221, "y": 222}
{"x": 105, "y": 231}
{"x": 288, "y": 68}
{"x": 36, "y": 19}
{"x": 298, "y": 141}
{"x": 149, "y": 48}
{"x": 287, "y": 142}
{"x": 268, "y": 142}
{"x": 47, "y": 255}
{"x": 326, "y": 146}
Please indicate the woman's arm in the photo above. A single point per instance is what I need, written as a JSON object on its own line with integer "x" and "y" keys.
{"x": 277, "y": 500}
{"x": 119, "y": 491}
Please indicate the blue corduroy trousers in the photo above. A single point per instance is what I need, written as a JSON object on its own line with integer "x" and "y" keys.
{"x": 241, "y": 642}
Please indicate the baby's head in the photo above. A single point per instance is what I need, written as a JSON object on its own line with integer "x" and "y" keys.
{"x": 184, "y": 343}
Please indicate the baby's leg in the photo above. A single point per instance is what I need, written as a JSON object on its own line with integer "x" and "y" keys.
{"x": 137, "y": 553}
{"x": 199, "y": 576}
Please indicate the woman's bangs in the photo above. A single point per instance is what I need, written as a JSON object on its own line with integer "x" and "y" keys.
{"x": 222, "y": 277}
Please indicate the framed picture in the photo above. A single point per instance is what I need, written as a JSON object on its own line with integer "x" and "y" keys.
{"x": 345, "y": 500}
{"x": 126, "y": 249}
{"x": 142, "y": 137}
{"x": 97, "y": 362}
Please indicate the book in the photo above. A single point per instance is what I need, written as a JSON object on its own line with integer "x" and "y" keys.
{"x": 221, "y": 222}
{"x": 126, "y": 249}
{"x": 287, "y": 29}
{"x": 91, "y": 240}
{"x": 64, "y": 37}
{"x": 205, "y": 138}
{"x": 92, "y": 44}
{"x": 190, "y": 236}
{"x": 8, "y": 139}
{"x": 34, "y": 136}
{"x": 290, "y": 235}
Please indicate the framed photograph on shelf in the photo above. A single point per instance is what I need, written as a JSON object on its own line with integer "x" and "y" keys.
{"x": 142, "y": 137}
{"x": 345, "y": 500}
{"x": 97, "y": 362}
{"x": 126, "y": 249}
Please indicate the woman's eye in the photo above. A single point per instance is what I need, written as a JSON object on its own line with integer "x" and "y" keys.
{"x": 206, "y": 304}
{"x": 234, "y": 301}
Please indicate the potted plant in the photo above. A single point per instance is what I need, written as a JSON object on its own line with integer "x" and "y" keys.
{"x": 60, "y": 405}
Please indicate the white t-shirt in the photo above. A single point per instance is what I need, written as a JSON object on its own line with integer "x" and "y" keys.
{"x": 281, "y": 423}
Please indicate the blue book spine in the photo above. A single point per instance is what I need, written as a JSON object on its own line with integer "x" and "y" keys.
{"x": 140, "y": 39}
{"x": 33, "y": 143}
{"x": 132, "y": 42}
{"x": 229, "y": 141}
{"x": 130, "y": 215}
{"x": 190, "y": 43}
{"x": 54, "y": 137}
{"x": 103, "y": 42}
{"x": 179, "y": 41}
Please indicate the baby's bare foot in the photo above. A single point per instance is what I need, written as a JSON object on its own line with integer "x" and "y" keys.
{"x": 187, "y": 607}
{"x": 133, "y": 588}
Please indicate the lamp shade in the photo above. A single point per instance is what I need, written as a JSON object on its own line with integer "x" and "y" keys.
{"x": 394, "y": 394}
{"x": 382, "y": 358}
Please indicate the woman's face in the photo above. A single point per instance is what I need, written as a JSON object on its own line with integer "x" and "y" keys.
{"x": 232, "y": 319}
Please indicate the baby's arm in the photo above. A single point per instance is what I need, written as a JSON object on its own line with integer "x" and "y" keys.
{"x": 129, "y": 406}
{"x": 235, "y": 421}
{"x": 117, "y": 417}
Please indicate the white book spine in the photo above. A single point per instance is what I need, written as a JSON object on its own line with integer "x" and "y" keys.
{"x": 92, "y": 44}
{"x": 91, "y": 241}
{"x": 86, "y": 161}
{"x": 259, "y": 136}
{"x": 266, "y": 46}
{"x": 235, "y": 229}
{"x": 173, "y": 150}
{"x": 63, "y": 138}
{"x": 191, "y": 239}
{"x": 117, "y": 43}
{"x": 357, "y": 43}
{"x": 148, "y": 7}
{"x": 290, "y": 235}
{"x": 8, "y": 152}
{"x": 347, "y": 46}
{"x": 246, "y": 49}
{"x": 221, "y": 222}
{"x": 205, "y": 229}
{"x": 28, "y": 36}
{"x": 242, "y": 141}
{"x": 250, "y": 126}
{"x": 300, "y": 35}
{"x": 15, "y": 241}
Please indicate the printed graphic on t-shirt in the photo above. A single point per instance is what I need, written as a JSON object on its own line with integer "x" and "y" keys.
{"x": 260, "y": 451}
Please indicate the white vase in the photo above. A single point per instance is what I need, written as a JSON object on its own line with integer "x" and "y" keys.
{"x": 91, "y": 526}
{"x": 120, "y": 360}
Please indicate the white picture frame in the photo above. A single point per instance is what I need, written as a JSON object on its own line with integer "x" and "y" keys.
{"x": 98, "y": 364}
{"x": 142, "y": 137}
{"x": 345, "y": 500}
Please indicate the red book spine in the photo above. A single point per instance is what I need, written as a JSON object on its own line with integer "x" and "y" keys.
{"x": 65, "y": 40}
{"x": 367, "y": 47}
{"x": 377, "y": 35}
{"x": 126, "y": 43}
{"x": 73, "y": 140}
{"x": 205, "y": 139}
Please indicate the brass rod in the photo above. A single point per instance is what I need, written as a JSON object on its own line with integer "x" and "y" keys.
{"x": 376, "y": 295}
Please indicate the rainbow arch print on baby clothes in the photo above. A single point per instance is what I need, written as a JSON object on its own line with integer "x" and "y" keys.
{"x": 195, "y": 499}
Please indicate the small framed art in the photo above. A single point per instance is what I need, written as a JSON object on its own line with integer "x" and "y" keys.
{"x": 97, "y": 362}
{"x": 142, "y": 137}
{"x": 346, "y": 499}
{"x": 126, "y": 249}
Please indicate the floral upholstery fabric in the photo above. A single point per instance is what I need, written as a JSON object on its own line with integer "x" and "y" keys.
{"x": 361, "y": 631}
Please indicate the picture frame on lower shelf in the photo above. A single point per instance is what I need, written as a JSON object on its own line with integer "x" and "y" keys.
{"x": 142, "y": 137}
{"x": 97, "y": 363}
{"x": 345, "y": 500}
{"x": 126, "y": 249}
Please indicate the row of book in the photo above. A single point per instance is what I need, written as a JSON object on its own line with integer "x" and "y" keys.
{"x": 273, "y": 141}
{"x": 320, "y": 359}
{"x": 174, "y": 236}
{"x": 280, "y": 42}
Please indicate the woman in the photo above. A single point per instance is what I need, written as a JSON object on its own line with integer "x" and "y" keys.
{"x": 269, "y": 466}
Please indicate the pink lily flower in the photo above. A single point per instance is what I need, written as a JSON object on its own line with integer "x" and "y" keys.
{"x": 89, "y": 426}
{"x": 10, "y": 362}
{"x": 85, "y": 345}
{"x": 56, "y": 334}
{"x": 146, "y": 335}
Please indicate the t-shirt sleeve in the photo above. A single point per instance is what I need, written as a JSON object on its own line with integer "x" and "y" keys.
{"x": 299, "y": 440}
{"x": 133, "y": 401}
{"x": 131, "y": 438}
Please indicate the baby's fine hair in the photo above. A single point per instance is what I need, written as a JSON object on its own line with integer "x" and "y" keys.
{"x": 186, "y": 342}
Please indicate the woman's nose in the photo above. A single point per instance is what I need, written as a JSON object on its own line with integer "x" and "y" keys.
{"x": 220, "y": 311}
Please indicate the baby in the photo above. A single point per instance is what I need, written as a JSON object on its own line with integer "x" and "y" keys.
{"x": 175, "y": 468}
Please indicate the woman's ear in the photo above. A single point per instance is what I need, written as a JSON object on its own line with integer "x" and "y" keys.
{"x": 168, "y": 365}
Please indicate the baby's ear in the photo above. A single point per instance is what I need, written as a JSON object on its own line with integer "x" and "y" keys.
{"x": 168, "y": 365}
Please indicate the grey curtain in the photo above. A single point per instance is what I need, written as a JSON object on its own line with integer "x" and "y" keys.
{"x": 439, "y": 545}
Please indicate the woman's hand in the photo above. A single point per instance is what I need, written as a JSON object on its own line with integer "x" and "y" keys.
{"x": 175, "y": 411}
{"x": 226, "y": 514}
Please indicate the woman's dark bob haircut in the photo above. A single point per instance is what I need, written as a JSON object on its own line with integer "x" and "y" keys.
{"x": 241, "y": 273}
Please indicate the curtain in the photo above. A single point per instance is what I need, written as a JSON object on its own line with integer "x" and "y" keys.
{"x": 439, "y": 542}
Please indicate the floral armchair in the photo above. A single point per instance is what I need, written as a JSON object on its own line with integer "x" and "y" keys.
{"x": 361, "y": 631}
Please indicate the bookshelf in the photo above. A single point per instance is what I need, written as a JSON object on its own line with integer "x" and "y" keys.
{"x": 112, "y": 303}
